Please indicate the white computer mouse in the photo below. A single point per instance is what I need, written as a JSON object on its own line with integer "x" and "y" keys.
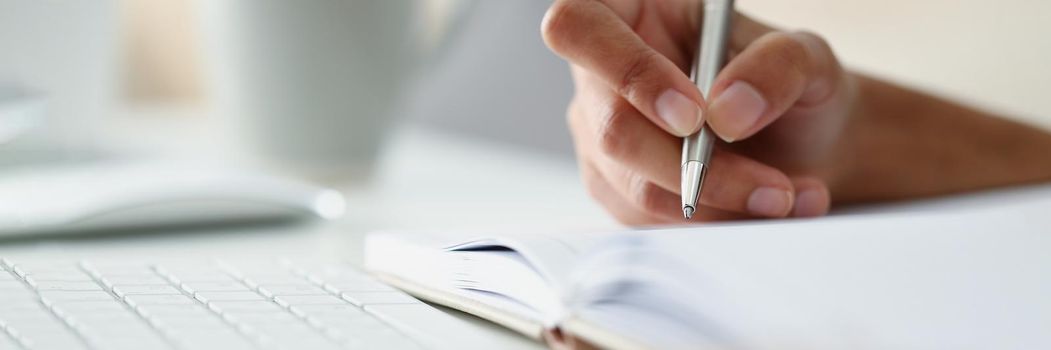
{"x": 20, "y": 112}
{"x": 108, "y": 195}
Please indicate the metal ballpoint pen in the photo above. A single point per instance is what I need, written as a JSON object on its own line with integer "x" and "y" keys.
{"x": 711, "y": 54}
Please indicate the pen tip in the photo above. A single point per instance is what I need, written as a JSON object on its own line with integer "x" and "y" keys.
{"x": 687, "y": 211}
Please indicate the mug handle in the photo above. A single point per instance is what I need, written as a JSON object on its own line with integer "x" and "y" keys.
{"x": 452, "y": 26}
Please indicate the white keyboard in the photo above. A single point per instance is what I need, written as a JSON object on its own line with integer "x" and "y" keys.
{"x": 214, "y": 305}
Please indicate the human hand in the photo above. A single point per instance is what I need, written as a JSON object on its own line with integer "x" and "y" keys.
{"x": 781, "y": 104}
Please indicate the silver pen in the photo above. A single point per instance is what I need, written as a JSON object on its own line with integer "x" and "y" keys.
{"x": 697, "y": 148}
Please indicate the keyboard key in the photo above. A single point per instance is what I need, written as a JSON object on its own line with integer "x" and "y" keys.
{"x": 79, "y": 308}
{"x": 359, "y": 322}
{"x": 65, "y": 297}
{"x": 309, "y": 343}
{"x": 358, "y": 286}
{"x": 36, "y": 329}
{"x": 112, "y": 281}
{"x": 373, "y": 298}
{"x": 188, "y": 274}
{"x": 265, "y": 318}
{"x": 227, "y": 296}
{"x": 239, "y": 307}
{"x": 171, "y": 309}
{"x": 61, "y": 275}
{"x": 143, "y": 289}
{"x": 48, "y": 267}
{"x": 292, "y": 289}
{"x": 56, "y": 285}
{"x": 385, "y": 338}
{"x": 291, "y": 300}
{"x": 31, "y": 319}
{"x": 19, "y": 296}
{"x": 7, "y": 342}
{"x": 273, "y": 278}
{"x": 7, "y": 307}
{"x": 327, "y": 309}
{"x": 433, "y": 327}
{"x": 331, "y": 272}
{"x": 130, "y": 342}
{"x": 137, "y": 306}
{"x": 114, "y": 329}
{"x": 104, "y": 318}
{"x": 144, "y": 300}
{"x": 53, "y": 341}
{"x": 11, "y": 284}
{"x": 120, "y": 272}
{"x": 188, "y": 322}
{"x": 229, "y": 286}
{"x": 215, "y": 338}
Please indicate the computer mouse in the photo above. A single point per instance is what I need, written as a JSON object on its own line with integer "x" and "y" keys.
{"x": 20, "y": 112}
{"x": 107, "y": 195}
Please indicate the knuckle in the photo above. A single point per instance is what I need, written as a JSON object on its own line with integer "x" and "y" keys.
{"x": 814, "y": 41}
{"x": 573, "y": 115}
{"x": 592, "y": 180}
{"x": 613, "y": 135}
{"x": 646, "y": 195}
{"x": 633, "y": 79}
{"x": 559, "y": 16}
{"x": 819, "y": 49}
{"x": 791, "y": 52}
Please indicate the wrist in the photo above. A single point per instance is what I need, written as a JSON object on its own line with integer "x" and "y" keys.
{"x": 846, "y": 155}
{"x": 899, "y": 143}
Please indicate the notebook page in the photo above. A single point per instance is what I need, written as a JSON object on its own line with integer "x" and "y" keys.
{"x": 965, "y": 280}
{"x": 551, "y": 255}
{"x": 520, "y": 274}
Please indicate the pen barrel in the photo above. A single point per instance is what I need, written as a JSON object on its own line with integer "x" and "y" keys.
{"x": 711, "y": 54}
{"x": 691, "y": 190}
{"x": 710, "y": 58}
{"x": 697, "y": 147}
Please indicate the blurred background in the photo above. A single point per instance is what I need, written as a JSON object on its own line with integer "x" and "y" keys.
{"x": 354, "y": 116}
{"x": 120, "y": 115}
{"x": 324, "y": 82}
{"x": 501, "y": 81}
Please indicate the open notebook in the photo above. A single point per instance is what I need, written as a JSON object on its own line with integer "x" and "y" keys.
{"x": 979, "y": 279}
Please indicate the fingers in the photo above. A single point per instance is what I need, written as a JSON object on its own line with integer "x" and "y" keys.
{"x": 634, "y": 101}
{"x": 642, "y": 163}
{"x": 774, "y": 73}
{"x": 632, "y": 211}
{"x": 612, "y": 128}
{"x": 812, "y": 197}
{"x": 741, "y": 184}
{"x": 611, "y": 199}
{"x": 590, "y": 34}
{"x": 812, "y": 200}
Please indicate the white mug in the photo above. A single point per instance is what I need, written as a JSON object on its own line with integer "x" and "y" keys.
{"x": 60, "y": 59}
{"x": 316, "y": 84}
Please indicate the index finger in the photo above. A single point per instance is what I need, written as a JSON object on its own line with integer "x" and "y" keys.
{"x": 594, "y": 36}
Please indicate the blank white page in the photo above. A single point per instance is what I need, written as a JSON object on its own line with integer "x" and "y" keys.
{"x": 978, "y": 279}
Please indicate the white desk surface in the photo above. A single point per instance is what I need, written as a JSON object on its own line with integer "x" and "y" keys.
{"x": 425, "y": 180}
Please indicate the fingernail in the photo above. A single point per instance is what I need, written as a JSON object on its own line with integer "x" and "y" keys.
{"x": 769, "y": 201}
{"x": 809, "y": 203}
{"x": 739, "y": 108}
{"x": 681, "y": 114}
